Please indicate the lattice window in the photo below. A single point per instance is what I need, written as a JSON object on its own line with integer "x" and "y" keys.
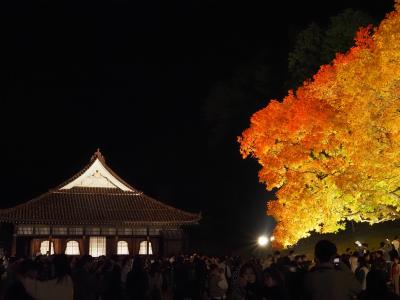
{"x": 122, "y": 248}
{"x": 24, "y": 230}
{"x": 44, "y": 247}
{"x": 154, "y": 231}
{"x": 42, "y": 230}
{"x": 93, "y": 231}
{"x": 108, "y": 231}
{"x": 125, "y": 231}
{"x": 139, "y": 231}
{"x": 60, "y": 230}
{"x": 143, "y": 248}
{"x": 97, "y": 246}
{"x": 72, "y": 248}
{"x": 75, "y": 231}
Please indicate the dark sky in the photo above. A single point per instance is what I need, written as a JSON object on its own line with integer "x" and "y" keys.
{"x": 132, "y": 77}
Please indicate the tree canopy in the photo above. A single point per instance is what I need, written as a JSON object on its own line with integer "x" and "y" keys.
{"x": 317, "y": 44}
{"x": 331, "y": 149}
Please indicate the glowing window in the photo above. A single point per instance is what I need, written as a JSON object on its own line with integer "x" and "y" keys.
{"x": 97, "y": 246}
{"x": 44, "y": 247}
{"x": 122, "y": 248}
{"x": 143, "y": 248}
{"x": 72, "y": 248}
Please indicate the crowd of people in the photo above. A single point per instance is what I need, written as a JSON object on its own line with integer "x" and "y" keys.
{"x": 356, "y": 274}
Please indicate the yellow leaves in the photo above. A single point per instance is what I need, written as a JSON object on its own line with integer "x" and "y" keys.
{"x": 332, "y": 147}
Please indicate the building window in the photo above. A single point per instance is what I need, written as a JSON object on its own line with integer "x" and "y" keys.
{"x": 93, "y": 231}
{"x": 143, "y": 248}
{"x": 60, "y": 230}
{"x": 108, "y": 231}
{"x": 122, "y": 248}
{"x": 97, "y": 246}
{"x": 125, "y": 231}
{"x": 42, "y": 230}
{"x": 72, "y": 248}
{"x": 139, "y": 231}
{"x": 76, "y": 231}
{"x": 24, "y": 230}
{"x": 154, "y": 231}
{"x": 44, "y": 247}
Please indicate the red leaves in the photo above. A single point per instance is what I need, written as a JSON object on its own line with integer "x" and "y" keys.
{"x": 316, "y": 145}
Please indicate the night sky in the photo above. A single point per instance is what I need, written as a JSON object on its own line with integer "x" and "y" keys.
{"x": 134, "y": 78}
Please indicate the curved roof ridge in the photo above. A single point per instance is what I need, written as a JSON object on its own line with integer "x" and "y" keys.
{"x": 96, "y": 204}
{"x": 97, "y": 156}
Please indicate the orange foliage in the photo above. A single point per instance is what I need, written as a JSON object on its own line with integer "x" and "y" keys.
{"x": 331, "y": 149}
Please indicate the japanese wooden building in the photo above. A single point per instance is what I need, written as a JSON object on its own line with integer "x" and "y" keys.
{"x": 96, "y": 212}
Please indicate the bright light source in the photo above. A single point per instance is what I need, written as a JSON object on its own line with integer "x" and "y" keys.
{"x": 358, "y": 243}
{"x": 262, "y": 241}
{"x": 272, "y": 238}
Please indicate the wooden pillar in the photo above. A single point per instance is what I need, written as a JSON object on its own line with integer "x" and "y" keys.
{"x": 32, "y": 247}
{"x": 155, "y": 246}
{"x": 14, "y": 241}
{"x": 148, "y": 240}
{"x": 50, "y": 242}
{"x": 116, "y": 245}
{"x": 161, "y": 252}
{"x": 85, "y": 248}
{"x": 109, "y": 245}
{"x": 35, "y": 243}
{"x": 81, "y": 243}
{"x": 130, "y": 245}
{"x": 59, "y": 245}
{"x": 136, "y": 242}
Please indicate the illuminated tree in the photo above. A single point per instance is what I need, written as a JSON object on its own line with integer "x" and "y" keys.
{"x": 331, "y": 149}
{"x": 317, "y": 45}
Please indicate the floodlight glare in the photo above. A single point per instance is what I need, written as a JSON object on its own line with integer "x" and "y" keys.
{"x": 272, "y": 238}
{"x": 262, "y": 241}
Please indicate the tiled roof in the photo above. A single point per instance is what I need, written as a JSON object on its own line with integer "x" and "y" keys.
{"x": 97, "y": 205}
